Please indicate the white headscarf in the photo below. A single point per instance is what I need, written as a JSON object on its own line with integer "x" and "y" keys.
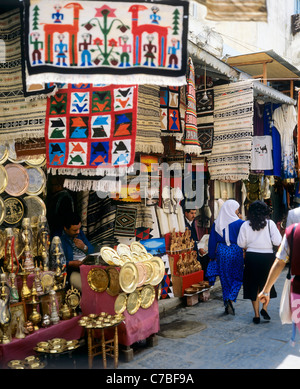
{"x": 226, "y": 216}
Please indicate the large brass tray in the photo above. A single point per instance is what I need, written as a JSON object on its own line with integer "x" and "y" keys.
{"x": 37, "y": 180}
{"x": 113, "y": 288}
{"x": 129, "y": 277}
{"x": 147, "y": 296}
{"x": 98, "y": 279}
{"x": 3, "y": 179}
{"x": 120, "y": 303}
{"x": 142, "y": 273}
{"x": 159, "y": 270}
{"x": 35, "y": 208}
{"x": 150, "y": 271}
{"x": 133, "y": 302}
{"x": 137, "y": 247}
{"x": 18, "y": 179}
{"x": 3, "y": 153}
{"x": 110, "y": 256}
{"x": 15, "y": 211}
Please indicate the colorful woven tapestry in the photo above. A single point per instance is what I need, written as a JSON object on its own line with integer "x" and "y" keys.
{"x": 122, "y": 42}
{"x": 170, "y": 111}
{"x": 190, "y": 143}
{"x": 205, "y": 118}
{"x": 91, "y": 127}
{"x": 233, "y": 129}
{"x": 19, "y": 119}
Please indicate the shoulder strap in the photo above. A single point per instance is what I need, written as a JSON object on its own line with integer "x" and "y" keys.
{"x": 291, "y": 251}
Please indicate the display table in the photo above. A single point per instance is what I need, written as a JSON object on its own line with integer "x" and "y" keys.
{"x": 22, "y": 348}
{"x": 141, "y": 325}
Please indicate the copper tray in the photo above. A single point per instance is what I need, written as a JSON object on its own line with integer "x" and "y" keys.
{"x": 133, "y": 302}
{"x": 113, "y": 288}
{"x": 128, "y": 277}
{"x": 147, "y": 296}
{"x": 3, "y": 179}
{"x": 142, "y": 272}
{"x": 120, "y": 303}
{"x": 17, "y": 179}
{"x": 37, "y": 180}
{"x": 98, "y": 279}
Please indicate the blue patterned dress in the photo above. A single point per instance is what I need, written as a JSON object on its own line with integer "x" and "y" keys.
{"x": 229, "y": 261}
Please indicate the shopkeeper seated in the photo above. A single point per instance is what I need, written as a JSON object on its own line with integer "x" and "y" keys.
{"x": 76, "y": 247}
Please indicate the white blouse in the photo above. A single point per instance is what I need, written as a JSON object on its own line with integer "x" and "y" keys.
{"x": 261, "y": 241}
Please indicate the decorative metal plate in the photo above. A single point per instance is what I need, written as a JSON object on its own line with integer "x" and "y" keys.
{"x": 36, "y": 162}
{"x": 150, "y": 272}
{"x": 107, "y": 254}
{"x": 17, "y": 179}
{"x": 137, "y": 247}
{"x": 37, "y": 180}
{"x": 3, "y": 179}
{"x": 98, "y": 279}
{"x": 3, "y": 153}
{"x": 133, "y": 302}
{"x": 147, "y": 296}
{"x": 2, "y": 210}
{"x": 47, "y": 280}
{"x": 142, "y": 273}
{"x": 120, "y": 303}
{"x": 159, "y": 270}
{"x": 35, "y": 208}
{"x": 123, "y": 249}
{"x": 15, "y": 211}
{"x": 113, "y": 288}
{"x": 128, "y": 277}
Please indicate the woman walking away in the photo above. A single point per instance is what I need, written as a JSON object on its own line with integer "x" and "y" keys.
{"x": 223, "y": 248}
{"x": 258, "y": 235}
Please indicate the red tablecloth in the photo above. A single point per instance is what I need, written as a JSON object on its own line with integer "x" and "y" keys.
{"x": 22, "y": 348}
{"x": 139, "y": 326}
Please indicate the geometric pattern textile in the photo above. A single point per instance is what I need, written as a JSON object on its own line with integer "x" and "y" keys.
{"x": 205, "y": 118}
{"x": 233, "y": 131}
{"x": 169, "y": 111}
{"x": 90, "y": 127}
{"x": 125, "y": 221}
{"x": 166, "y": 284}
{"x": 120, "y": 42}
{"x": 19, "y": 119}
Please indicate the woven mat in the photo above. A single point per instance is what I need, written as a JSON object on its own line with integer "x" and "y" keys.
{"x": 237, "y": 10}
{"x": 19, "y": 119}
{"x": 122, "y": 42}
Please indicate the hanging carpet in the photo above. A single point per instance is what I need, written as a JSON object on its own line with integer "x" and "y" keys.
{"x": 233, "y": 129}
{"x": 205, "y": 118}
{"x": 170, "y": 111}
{"x": 125, "y": 221}
{"x": 90, "y": 129}
{"x": 19, "y": 119}
{"x": 116, "y": 42}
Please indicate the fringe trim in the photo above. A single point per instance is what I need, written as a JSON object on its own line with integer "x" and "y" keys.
{"x": 101, "y": 185}
{"x": 19, "y": 136}
{"x": 189, "y": 149}
{"x": 40, "y": 96}
{"x": 149, "y": 148}
{"x": 114, "y": 172}
{"x": 106, "y": 79}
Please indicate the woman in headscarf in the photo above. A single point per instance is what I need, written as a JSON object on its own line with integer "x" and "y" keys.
{"x": 258, "y": 235}
{"x": 226, "y": 254}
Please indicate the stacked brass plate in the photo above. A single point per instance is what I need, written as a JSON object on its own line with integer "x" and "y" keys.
{"x": 138, "y": 248}
{"x": 133, "y": 302}
{"x": 56, "y": 346}
{"x": 120, "y": 303}
{"x": 31, "y": 362}
{"x": 142, "y": 273}
{"x": 113, "y": 288}
{"x": 123, "y": 250}
{"x": 150, "y": 270}
{"x": 100, "y": 321}
{"x": 18, "y": 179}
{"x": 147, "y": 296}
{"x": 128, "y": 277}
{"x": 98, "y": 279}
{"x": 37, "y": 180}
{"x": 159, "y": 270}
{"x": 110, "y": 256}
{"x": 3, "y": 178}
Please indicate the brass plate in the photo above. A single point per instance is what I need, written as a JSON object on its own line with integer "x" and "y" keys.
{"x": 98, "y": 279}
{"x": 107, "y": 253}
{"x": 133, "y": 302}
{"x": 18, "y": 179}
{"x": 16, "y": 364}
{"x": 3, "y": 179}
{"x": 147, "y": 296}
{"x": 2, "y": 211}
{"x": 137, "y": 247}
{"x": 37, "y": 180}
{"x": 35, "y": 208}
{"x": 142, "y": 273}
{"x": 47, "y": 280}
{"x": 120, "y": 303}
{"x": 128, "y": 277}
{"x": 123, "y": 249}
{"x": 15, "y": 211}
{"x": 3, "y": 153}
{"x": 36, "y": 162}
{"x": 150, "y": 271}
{"x": 159, "y": 270}
{"x": 114, "y": 284}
